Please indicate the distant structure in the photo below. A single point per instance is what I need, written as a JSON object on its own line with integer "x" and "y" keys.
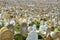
{"x": 6, "y": 3}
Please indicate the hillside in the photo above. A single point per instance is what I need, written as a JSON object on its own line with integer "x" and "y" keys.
{"x": 27, "y": 2}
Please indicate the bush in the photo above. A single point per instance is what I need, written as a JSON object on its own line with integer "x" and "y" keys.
{"x": 58, "y": 29}
{"x": 37, "y": 25}
{"x": 17, "y": 27}
{"x": 40, "y": 37}
{"x": 19, "y": 37}
{"x": 31, "y": 24}
{"x": 45, "y": 19}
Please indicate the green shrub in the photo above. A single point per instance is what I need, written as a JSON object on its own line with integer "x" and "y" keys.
{"x": 52, "y": 28}
{"x": 58, "y": 29}
{"x": 39, "y": 37}
{"x": 45, "y": 19}
{"x": 37, "y": 25}
{"x": 31, "y": 24}
{"x": 19, "y": 37}
{"x": 17, "y": 27}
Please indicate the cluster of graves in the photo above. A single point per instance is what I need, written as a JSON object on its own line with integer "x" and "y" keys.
{"x": 32, "y": 22}
{"x": 48, "y": 27}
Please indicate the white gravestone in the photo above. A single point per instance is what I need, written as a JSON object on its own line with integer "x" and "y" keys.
{"x": 12, "y": 22}
{"x": 52, "y": 34}
{"x": 43, "y": 28}
{"x": 1, "y": 23}
{"x": 29, "y": 22}
{"x": 6, "y": 24}
{"x": 54, "y": 21}
{"x": 32, "y": 35}
{"x": 0, "y": 16}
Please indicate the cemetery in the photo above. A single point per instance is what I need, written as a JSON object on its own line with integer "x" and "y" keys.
{"x": 29, "y": 20}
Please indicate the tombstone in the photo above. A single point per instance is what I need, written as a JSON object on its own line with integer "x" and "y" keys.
{"x": 48, "y": 37}
{"x": 6, "y": 35}
{"x": 57, "y": 36}
{"x": 5, "y": 15}
{"x": 59, "y": 23}
{"x": 52, "y": 34}
{"x": 6, "y": 24}
{"x": 41, "y": 29}
{"x": 11, "y": 27}
{"x": 3, "y": 28}
{"x": 0, "y": 24}
{"x": 29, "y": 22}
{"x": 45, "y": 26}
{"x": 41, "y": 26}
{"x": 54, "y": 22}
{"x": 48, "y": 31}
{"x": 12, "y": 22}
{"x": 41, "y": 22}
{"x": 31, "y": 27}
{"x": 23, "y": 28}
{"x": 0, "y": 16}
{"x": 24, "y": 20}
{"x": 34, "y": 26}
{"x": 32, "y": 35}
{"x": 20, "y": 20}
